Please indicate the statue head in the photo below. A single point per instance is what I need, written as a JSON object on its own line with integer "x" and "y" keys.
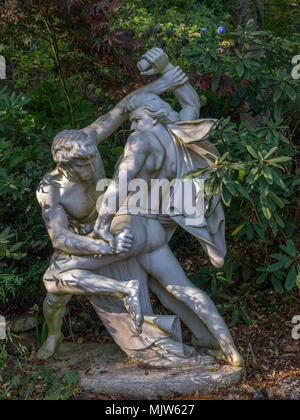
{"x": 75, "y": 153}
{"x": 146, "y": 110}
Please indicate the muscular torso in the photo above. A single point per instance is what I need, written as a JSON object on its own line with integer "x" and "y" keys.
{"x": 162, "y": 160}
{"x": 161, "y": 163}
{"x": 78, "y": 200}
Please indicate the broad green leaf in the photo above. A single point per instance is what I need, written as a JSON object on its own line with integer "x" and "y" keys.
{"x": 216, "y": 81}
{"x": 229, "y": 271}
{"x": 230, "y": 185}
{"x": 262, "y": 279}
{"x": 291, "y": 93}
{"x": 291, "y": 279}
{"x": 277, "y": 285}
{"x": 284, "y": 259}
{"x": 214, "y": 287}
{"x": 276, "y": 199}
{"x": 252, "y": 152}
{"x": 226, "y": 196}
{"x": 244, "y": 193}
{"x": 197, "y": 173}
{"x": 291, "y": 248}
{"x": 275, "y": 267}
{"x": 270, "y": 153}
{"x": 250, "y": 232}
{"x": 268, "y": 174}
{"x": 281, "y": 159}
{"x": 260, "y": 231}
{"x": 279, "y": 181}
{"x": 240, "y": 69}
{"x": 277, "y": 95}
{"x": 224, "y": 157}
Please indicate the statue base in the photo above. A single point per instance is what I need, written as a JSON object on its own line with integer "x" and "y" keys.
{"x": 104, "y": 369}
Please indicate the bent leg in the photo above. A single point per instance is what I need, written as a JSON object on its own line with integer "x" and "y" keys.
{"x": 86, "y": 283}
{"x": 163, "y": 265}
{"x": 187, "y": 316}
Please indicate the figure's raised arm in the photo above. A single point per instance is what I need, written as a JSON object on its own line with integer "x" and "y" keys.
{"x": 157, "y": 62}
{"x": 189, "y": 101}
{"x": 107, "y": 124}
{"x": 171, "y": 79}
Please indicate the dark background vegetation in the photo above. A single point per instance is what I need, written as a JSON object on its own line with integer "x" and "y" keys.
{"x": 69, "y": 61}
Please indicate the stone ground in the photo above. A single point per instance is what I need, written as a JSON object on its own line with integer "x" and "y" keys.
{"x": 272, "y": 357}
{"x": 106, "y": 370}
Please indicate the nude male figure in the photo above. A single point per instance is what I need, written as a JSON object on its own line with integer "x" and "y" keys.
{"x": 68, "y": 197}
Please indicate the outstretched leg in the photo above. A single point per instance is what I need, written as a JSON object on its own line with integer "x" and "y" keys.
{"x": 163, "y": 265}
{"x": 83, "y": 283}
{"x": 86, "y": 283}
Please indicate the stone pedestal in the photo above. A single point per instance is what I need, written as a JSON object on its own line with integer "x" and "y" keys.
{"x": 104, "y": 369}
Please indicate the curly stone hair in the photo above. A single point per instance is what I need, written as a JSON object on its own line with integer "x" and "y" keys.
{"x": 69, "y": 145}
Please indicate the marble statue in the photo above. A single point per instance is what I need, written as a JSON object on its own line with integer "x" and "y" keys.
{"x": 115, "y": 256}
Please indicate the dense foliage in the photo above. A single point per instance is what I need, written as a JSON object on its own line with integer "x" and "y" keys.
{"x": 70, "y": 61}
{"x": 258, "y": 173}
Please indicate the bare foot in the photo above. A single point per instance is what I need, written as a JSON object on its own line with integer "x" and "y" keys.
{"x": 233, "y": 357}
{"x": 50, "y": 347}
{"x": 133, "y": 304}
{"x": 231, "y": 354}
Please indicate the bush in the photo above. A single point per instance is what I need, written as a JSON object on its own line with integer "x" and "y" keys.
{"x": 22, "y": 165}
{"x": 257, "y": 175}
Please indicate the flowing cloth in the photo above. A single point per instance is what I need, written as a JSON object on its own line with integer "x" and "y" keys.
{"x": 193, "y": 151}
{"x": 161, "y": 339}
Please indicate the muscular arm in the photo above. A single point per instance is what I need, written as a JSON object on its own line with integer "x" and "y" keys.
{"x": 189, "y": 101}
{"x": 57, "y": 226}
{"x": 136, "y": 154}
{"x": 107, "y": 124}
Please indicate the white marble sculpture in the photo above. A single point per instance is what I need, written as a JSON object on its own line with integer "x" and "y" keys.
{"x": 115, "y": 256}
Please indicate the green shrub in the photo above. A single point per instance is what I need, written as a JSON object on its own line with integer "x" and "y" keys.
{"x": 23, "y": 160}
{"x": 257, "y": 175}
